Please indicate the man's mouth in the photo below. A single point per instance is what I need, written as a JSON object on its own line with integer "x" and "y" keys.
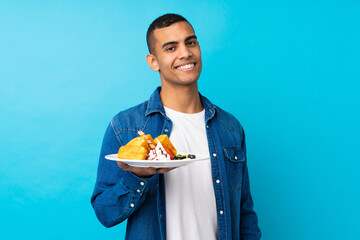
{"x": 186, "y": 67}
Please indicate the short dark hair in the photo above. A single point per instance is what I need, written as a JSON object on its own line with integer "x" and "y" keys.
{"x": 161, "y": 22}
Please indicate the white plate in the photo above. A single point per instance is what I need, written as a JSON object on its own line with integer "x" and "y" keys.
{"x": 159, "y": 164}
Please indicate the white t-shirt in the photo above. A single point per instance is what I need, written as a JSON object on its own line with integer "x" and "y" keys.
{"x": 189, "y": 191}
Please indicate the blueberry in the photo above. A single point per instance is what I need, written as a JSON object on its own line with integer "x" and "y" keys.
{"x": 191, "y": 156}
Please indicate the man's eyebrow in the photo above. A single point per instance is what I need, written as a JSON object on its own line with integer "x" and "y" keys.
{"x": 174, "y": 42}
{"x": 168, "y": 43}
{"x": 190, "y": 37}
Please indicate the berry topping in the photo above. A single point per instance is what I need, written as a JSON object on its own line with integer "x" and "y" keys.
{"x": 179, "y": 156}
{"x": 170, "y": 153}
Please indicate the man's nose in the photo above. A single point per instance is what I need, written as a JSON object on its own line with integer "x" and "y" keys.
{"x": 184, "y": 52}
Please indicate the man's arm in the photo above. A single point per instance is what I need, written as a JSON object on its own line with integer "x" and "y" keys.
{"x": 117, "y": 193}
{"x": 249, "y": 229}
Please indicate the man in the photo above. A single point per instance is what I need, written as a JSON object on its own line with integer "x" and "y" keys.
{"x": 204, "y": 200}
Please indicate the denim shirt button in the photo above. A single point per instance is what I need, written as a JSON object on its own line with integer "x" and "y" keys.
{"x": 221, "y": 212}
{"x": 138, "y": 190}
{"x": 166, "y": 130}
{"x": 214, "y": 154}
{"x": 217, "y": 181}
{"x": 132, "y": 205}
{"x": 142, "y": 183}
{"x": 207, "y": 126}
{"x": 235, "y": 157}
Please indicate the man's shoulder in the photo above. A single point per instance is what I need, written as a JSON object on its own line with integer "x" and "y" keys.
{"x": 129, "y": 118}
{"x": 228, "y": 119}
{"x": 137, "y": 109}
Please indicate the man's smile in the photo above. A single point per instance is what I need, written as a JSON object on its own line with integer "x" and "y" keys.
{"x": 186, "y": 67}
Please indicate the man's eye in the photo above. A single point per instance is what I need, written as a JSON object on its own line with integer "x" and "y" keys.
{"x": 191, "y": 43}
{"x": 170, "y": 49}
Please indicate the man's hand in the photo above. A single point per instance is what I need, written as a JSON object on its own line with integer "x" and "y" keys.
{"x": 142, "y": 171}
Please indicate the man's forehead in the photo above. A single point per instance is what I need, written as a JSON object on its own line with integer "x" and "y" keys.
{"x": 176, "y": 32}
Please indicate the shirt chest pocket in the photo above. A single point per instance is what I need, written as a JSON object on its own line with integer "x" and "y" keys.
{"x": 234, "y": 163}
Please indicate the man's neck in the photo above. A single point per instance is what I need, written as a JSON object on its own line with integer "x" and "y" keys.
{"x": 184, "y": 99}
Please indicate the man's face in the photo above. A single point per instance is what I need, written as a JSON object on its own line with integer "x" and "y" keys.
{"x": 177, "y": 54}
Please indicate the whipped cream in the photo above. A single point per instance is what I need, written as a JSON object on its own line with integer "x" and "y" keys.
{"x": 158, "y": 153}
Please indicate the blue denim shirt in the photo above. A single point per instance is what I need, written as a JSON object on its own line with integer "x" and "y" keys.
{"x": 119, "y": 195}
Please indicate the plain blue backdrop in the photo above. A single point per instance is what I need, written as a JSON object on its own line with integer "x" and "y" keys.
{"x": 288, "y": 70}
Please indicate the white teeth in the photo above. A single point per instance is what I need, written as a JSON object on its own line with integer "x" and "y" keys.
{"x": 187, "y": 66}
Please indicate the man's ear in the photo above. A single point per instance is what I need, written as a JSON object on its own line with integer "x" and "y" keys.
{"x": 152, "y": 62}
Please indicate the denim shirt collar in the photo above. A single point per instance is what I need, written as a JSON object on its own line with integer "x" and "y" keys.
{"x": 155, "y": 105}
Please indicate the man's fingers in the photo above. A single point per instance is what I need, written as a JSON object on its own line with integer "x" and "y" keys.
{"x": 143, "y": 172}
{"x": 123, "y": 166}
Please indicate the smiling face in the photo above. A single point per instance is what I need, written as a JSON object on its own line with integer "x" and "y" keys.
{"x": 177, "y": 55}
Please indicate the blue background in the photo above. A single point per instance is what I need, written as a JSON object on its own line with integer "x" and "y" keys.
{"x": 288, "y": 70}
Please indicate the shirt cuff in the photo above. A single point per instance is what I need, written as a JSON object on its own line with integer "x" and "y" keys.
{"x": 137, "y": 184}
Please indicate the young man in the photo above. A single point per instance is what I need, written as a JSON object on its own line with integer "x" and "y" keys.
{"x": 204, "y": 200}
